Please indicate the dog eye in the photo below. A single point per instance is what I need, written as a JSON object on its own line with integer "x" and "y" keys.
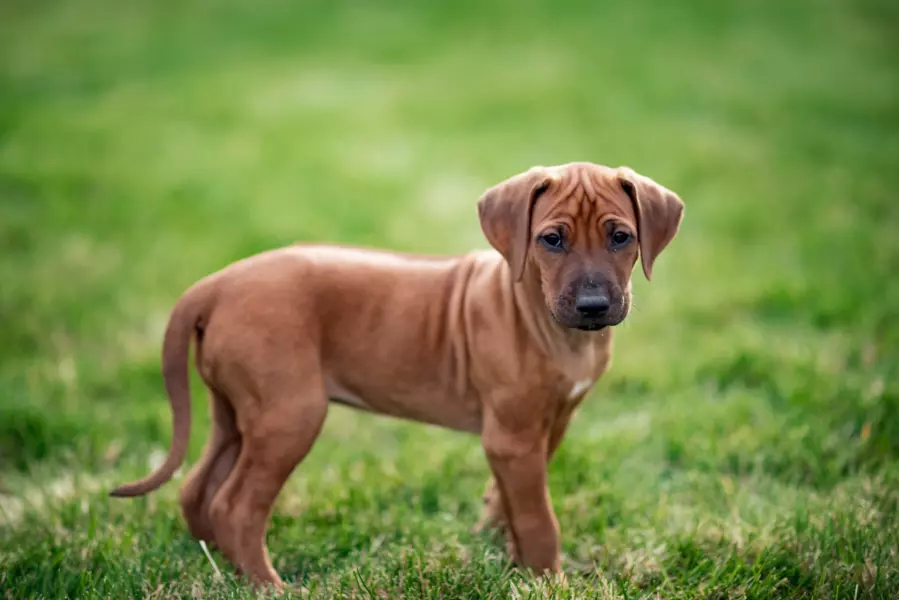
{"x": 620, "y": 238}
{"x": 552, "y": 240}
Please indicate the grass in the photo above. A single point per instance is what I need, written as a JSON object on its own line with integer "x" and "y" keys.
{"x": 746, "y": 440}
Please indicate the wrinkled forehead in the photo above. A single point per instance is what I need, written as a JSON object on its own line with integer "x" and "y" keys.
{"x": 584, "y": 193}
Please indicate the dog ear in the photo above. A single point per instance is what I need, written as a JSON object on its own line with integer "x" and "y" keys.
{"x": 505, "y": 213}
{"x": 659, "y": 213}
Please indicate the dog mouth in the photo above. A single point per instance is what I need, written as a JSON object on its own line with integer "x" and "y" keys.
{"x": 581, "y": 324}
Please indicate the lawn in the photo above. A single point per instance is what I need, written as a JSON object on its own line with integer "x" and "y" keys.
{"x": 745, "y": 442}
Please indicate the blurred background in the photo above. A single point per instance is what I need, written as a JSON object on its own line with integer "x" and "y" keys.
{"x": 746, "y": 439}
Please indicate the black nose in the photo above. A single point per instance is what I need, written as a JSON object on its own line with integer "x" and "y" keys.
{"x": 592, "y": 305}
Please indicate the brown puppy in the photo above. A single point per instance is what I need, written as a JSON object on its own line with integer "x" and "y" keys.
{"x": 503, "y": 344}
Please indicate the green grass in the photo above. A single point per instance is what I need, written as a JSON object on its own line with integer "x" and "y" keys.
{"x": 746, "y": 440}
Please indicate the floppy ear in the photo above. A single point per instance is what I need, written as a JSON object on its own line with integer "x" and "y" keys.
{"x": 505, "y": 213}
{"x": 659, "y": 213}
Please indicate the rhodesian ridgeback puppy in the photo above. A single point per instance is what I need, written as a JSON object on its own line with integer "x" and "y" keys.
{"x": 502, "y": 343}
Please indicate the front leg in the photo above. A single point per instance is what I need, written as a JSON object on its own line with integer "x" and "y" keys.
{"x": 493, "y": 516}
{"x": 518, "y": 461}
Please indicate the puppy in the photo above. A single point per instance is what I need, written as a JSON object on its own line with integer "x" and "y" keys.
{"x": 502, "y": 343}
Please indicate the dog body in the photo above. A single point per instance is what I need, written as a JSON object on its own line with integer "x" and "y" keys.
{"x": 503, "y": 343}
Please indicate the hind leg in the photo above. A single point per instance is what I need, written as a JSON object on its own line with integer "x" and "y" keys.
{"x": 277, "y": 435}
{"x": 208, "y": 475}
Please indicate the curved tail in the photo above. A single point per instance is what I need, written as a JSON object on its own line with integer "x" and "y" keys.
{"x": 186, "y": 318}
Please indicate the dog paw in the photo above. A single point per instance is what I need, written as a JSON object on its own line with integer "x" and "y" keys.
{"x": 512, "y": 550}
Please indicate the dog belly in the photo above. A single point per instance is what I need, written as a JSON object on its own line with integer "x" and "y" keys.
{"x": 449, "y": 413}
{"x": 340, "y": 395}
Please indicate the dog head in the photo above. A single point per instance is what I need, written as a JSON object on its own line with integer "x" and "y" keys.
{"x": 580, "y": 228}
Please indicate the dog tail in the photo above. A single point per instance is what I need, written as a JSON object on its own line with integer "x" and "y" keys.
{"x": 187, "y": 319}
